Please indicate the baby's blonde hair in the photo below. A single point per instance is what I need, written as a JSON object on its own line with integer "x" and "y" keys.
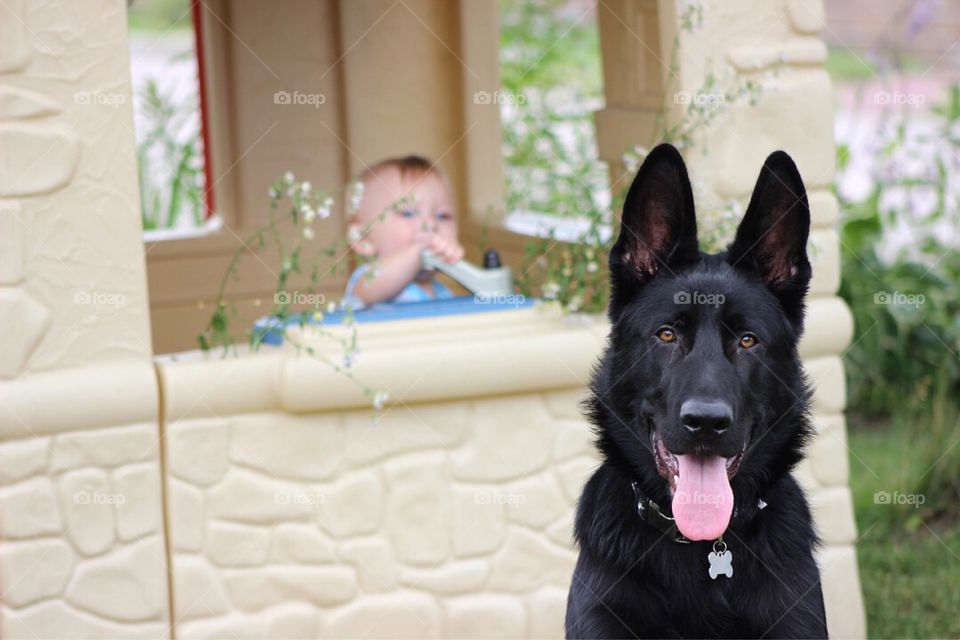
{"x": 410, "y": 166}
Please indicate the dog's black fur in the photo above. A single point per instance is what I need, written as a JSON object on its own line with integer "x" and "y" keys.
{"x": 631, "y": 580}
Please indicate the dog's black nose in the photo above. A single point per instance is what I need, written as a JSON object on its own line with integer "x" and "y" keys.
{"x": 706, "y": 415}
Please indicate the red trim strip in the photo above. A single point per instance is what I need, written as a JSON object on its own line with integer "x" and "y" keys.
{"x": 196, "y": 13}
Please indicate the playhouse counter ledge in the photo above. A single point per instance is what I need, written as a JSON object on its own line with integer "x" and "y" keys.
{"x": 431, "y": 359}
{"x": 421, "y": 360}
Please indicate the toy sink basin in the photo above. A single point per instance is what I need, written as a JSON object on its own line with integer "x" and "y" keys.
{"x": 388, "y": 311}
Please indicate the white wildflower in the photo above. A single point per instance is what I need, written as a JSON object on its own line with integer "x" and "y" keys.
{"x": 379, "y": 399}
{"x": 350, "y": 357}
{"x": 325, "y": 207}
{"x": 550, "y": 290}
{"x": 356, "y": 197}
{"x": 308, "y": 233}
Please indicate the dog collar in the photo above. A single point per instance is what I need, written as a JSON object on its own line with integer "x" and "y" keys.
{"x": 653, "y": 515}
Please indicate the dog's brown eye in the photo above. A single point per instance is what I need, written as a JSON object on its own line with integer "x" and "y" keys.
{"x": 666, "y": 334}
{"x": 748, "y": 341}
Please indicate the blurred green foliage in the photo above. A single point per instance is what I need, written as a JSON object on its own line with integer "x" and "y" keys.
{"x": 550, "y": 88}
{"x": 159, "y": 15}
{"x": 169, "y": 161}
{"x": 903, "y": 365}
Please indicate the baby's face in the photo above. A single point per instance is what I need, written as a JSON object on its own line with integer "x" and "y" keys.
{"x": 430, "y": 211}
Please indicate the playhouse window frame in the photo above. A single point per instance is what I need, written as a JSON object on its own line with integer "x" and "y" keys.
{"x": 214, "y": 135}
{"x": 178, "y": 263}
{"x": 483, "y": 177}
{"x": 184, "y": 272}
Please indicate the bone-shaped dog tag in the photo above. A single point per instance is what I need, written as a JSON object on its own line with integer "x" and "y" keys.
{"x": 721, "y": 560}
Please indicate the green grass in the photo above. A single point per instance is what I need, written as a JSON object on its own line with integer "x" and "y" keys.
{"x": 158, "y": 16}
{"x": 909, "y": 569}
{"x": 847, "y": 65}
{"x": 844, "y": 64}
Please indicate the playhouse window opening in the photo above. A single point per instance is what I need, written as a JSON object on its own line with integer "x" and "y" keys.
{"x": 551, "y": 85}
{"x": 173, "y": 165}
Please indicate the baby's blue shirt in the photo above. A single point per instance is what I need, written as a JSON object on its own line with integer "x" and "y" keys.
{"x": 411, "y": 293}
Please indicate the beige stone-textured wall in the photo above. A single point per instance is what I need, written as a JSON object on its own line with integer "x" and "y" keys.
{"x": 81, "y": 534}
{"x": 449, "y": 519}
{"x": 81, "y": 519}
{"x": 293, "y": 514}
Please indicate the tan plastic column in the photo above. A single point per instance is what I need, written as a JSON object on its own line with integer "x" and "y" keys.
{"x": 81, "y": 535}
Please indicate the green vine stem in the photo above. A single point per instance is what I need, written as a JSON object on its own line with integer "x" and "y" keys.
{"x": 304, "y": 207}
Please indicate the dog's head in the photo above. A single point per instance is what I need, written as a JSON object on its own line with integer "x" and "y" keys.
{"x": 701, "y": 393}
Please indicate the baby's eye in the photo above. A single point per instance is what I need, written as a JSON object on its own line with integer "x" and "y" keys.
{"x": 444, "y": 216}
{"x": 408, "y": 213}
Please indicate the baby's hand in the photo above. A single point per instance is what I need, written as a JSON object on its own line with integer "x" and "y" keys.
{"x": 447, "y": 250}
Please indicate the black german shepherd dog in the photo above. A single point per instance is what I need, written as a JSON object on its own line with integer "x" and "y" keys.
{"x": 693, "y": 527}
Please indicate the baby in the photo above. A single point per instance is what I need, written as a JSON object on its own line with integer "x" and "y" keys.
{"x": 417, "y": 203}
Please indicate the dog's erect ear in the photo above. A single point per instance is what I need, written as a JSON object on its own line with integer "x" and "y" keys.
{"x": 658, "y": 230}
{"x": 771, "y": 240}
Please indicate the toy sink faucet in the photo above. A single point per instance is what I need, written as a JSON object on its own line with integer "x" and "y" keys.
{"x": 491, "y": 280}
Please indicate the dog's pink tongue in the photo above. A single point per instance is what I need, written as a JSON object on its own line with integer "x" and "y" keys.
{"x": 703, "y": 501}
